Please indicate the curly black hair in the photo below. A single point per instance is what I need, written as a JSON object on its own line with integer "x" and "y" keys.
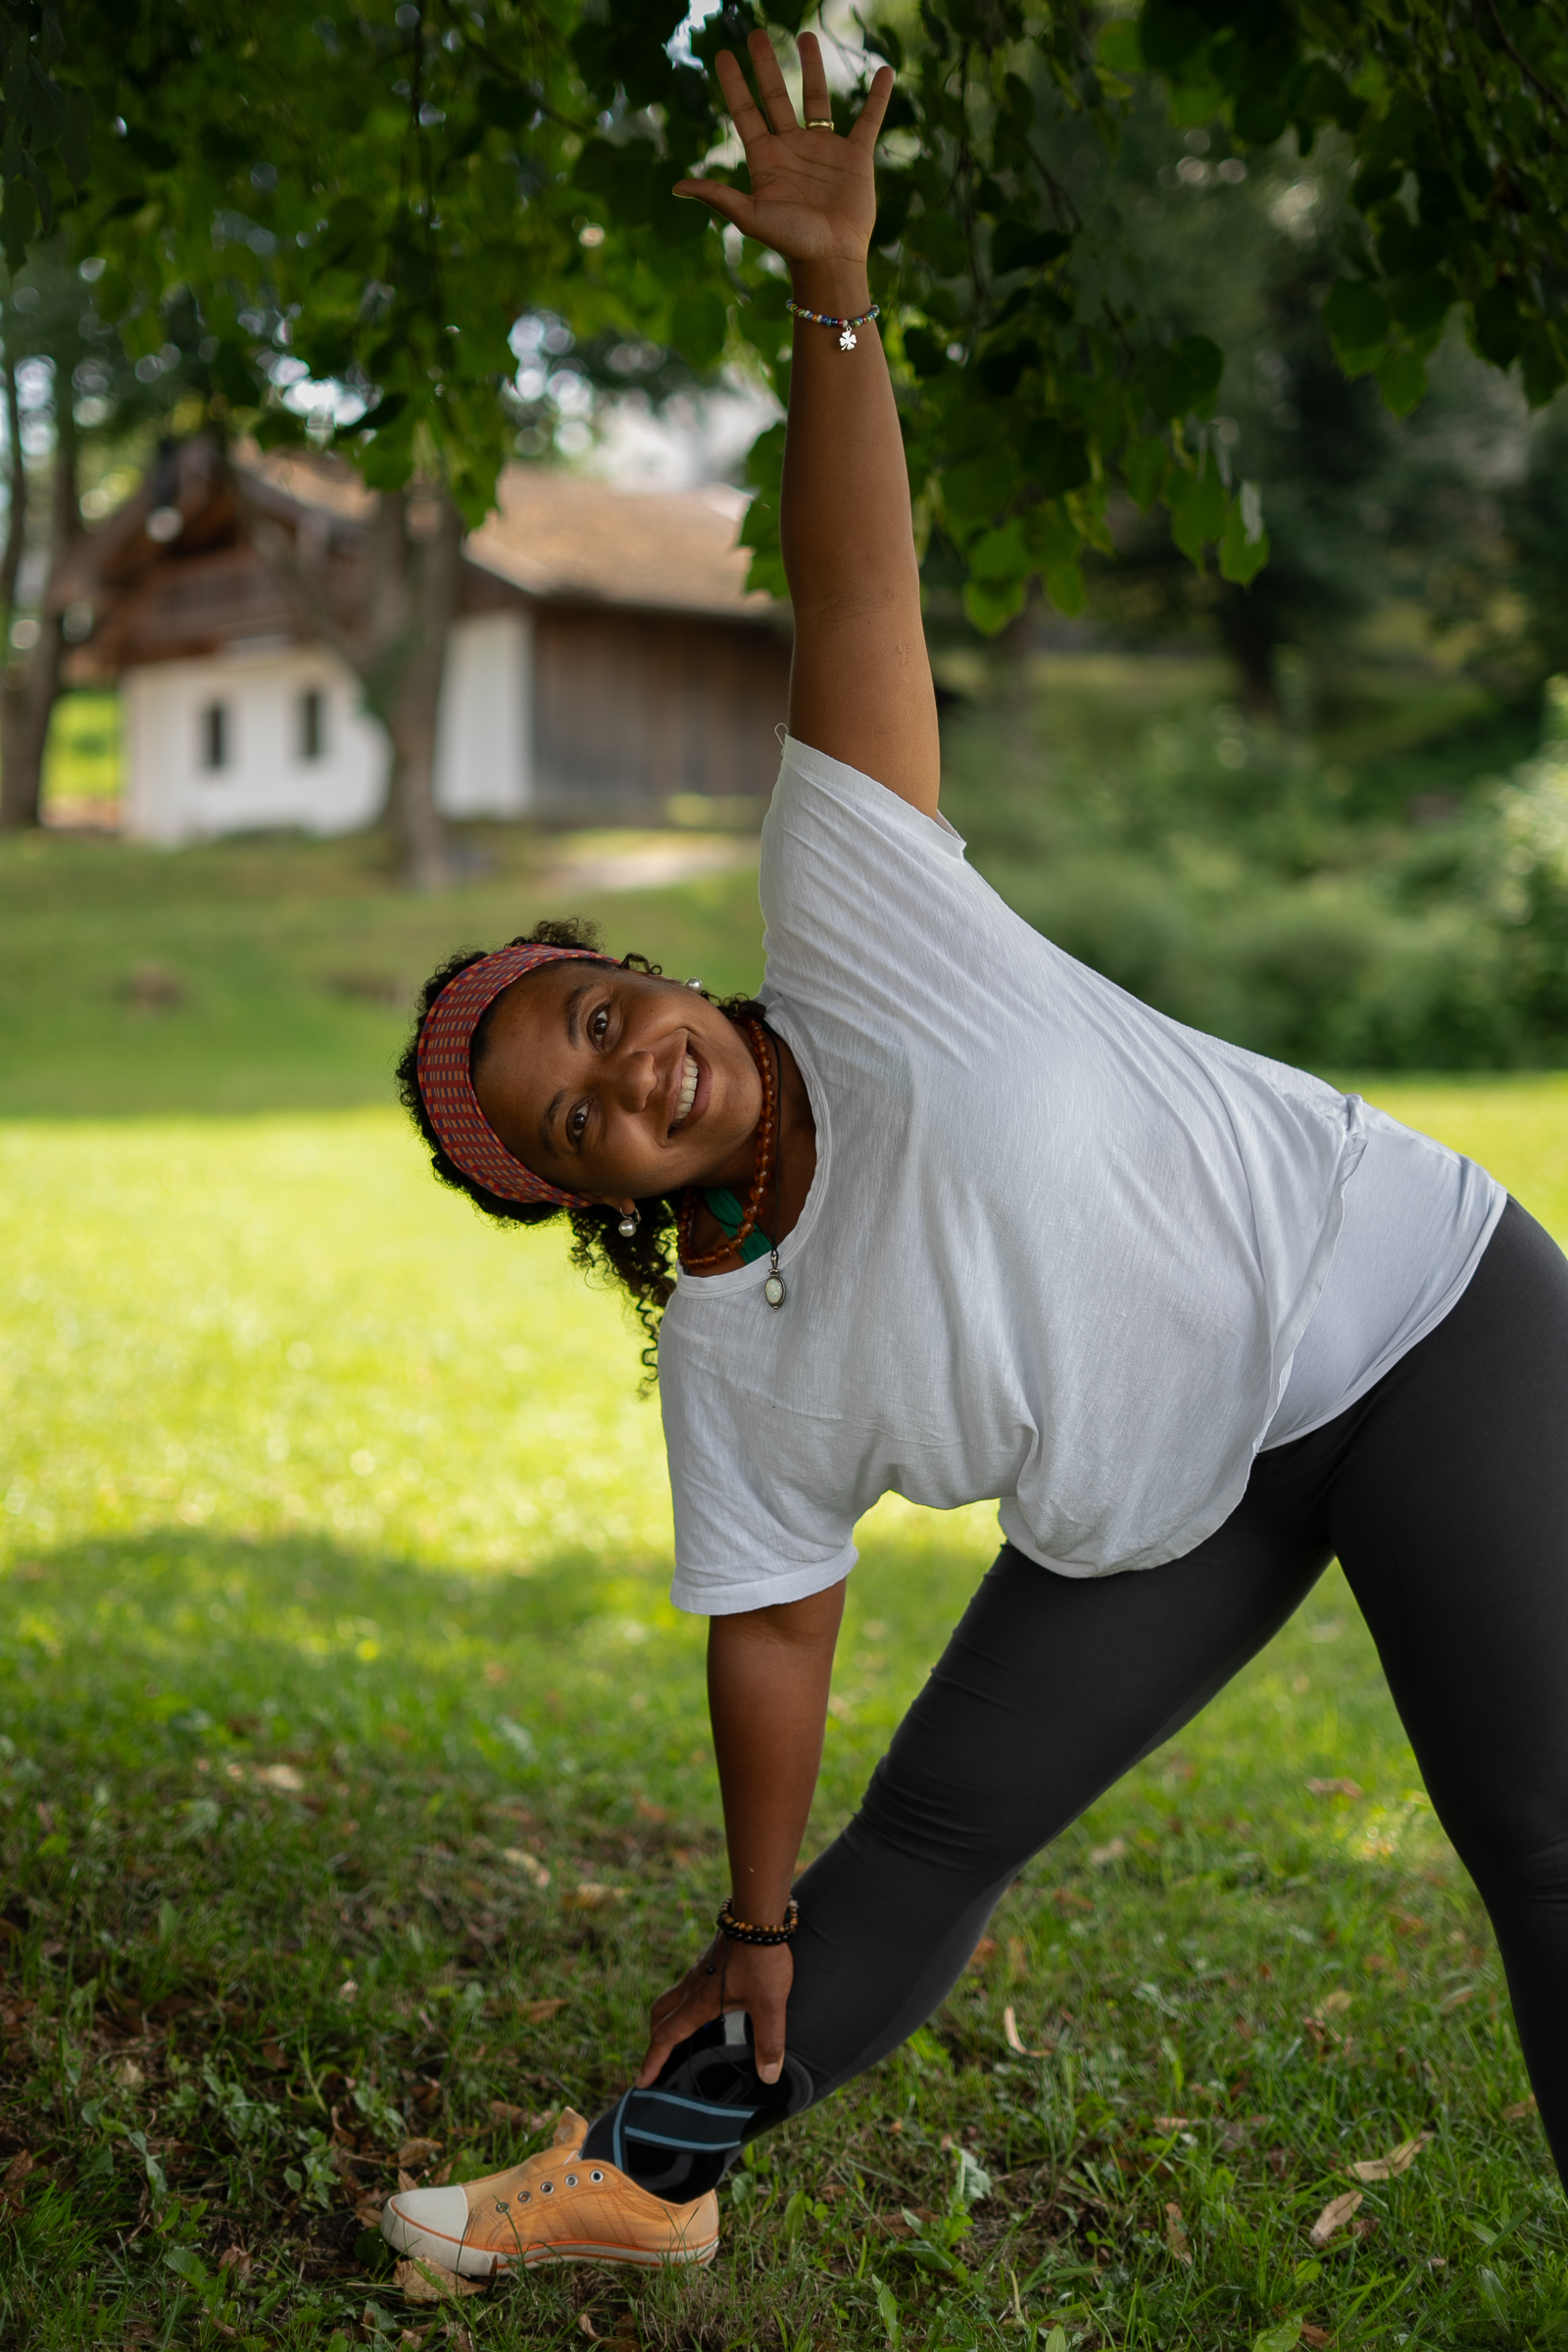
{"x": 642, "y": 1264}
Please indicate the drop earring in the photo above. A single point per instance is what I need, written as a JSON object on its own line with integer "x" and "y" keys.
{"x": 628, "y": 1225}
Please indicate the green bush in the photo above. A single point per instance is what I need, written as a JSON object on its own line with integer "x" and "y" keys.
{"x": 1230, "y": 873}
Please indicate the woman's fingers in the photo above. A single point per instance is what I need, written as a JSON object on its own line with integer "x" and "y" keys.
{"x": 744, "y": 111}
{"x": 730, "y": 204}
{"x": 869, "y": 120}
{"x": 767, "y": 2036}
{"x": 770, "y": 83}
{"x": 816, "y": 104}
{"x": 675, "y": 2028}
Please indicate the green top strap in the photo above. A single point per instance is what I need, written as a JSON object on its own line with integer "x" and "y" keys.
{"x": 731, "y": 1215}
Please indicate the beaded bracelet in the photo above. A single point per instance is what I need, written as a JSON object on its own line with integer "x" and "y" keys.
{"x": 847, "y": 339}
{"x": 741, "y": 1931}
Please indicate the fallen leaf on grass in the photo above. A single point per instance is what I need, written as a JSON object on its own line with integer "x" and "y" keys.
{"x": 348, "y": 1993}
{"x": 1176, "y": 2237}
{"x": 1519, "y": 2108}
{"x": 419, "y": 2152}
{"x": 592, "y": 1897}
{"x": 1336, "y": 1788}
{"x": 274, "y": 2054}
{"x": 1116, "y": 1851}
{"x": 11, "y": 2180}
{"x": 367, "y": 2212}
{"x": 519, "y": 2118}
{"x": 1334, "y": 2216}
{"x": 1283, "y": 2338}
{"x": 532, "y": 1868}
{"x": 1397, "y": 2160}
{"x": 588, "y": 2325}
{"x": 649, "y": 1810}
{"x": 1172, "y": 2123}
{"x": 1457, "y": 2000}
{"x": 235, "y": 2259}
{"x": 1015, "y": 2040}
{"x": 428, "y": 2282}
{"x": 1317, "y": 2337}
{"x": 406, "y": 2180}
{"x": 984, "y": 1950}
{"x": 1333, "y": 2004}
{"x": 535, "y": 2012}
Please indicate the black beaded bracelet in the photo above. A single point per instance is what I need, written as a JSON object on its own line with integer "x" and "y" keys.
{"x": 741, "y": 1931}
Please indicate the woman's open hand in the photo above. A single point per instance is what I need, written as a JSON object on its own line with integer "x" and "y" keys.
{"x": 813, "y": 195}
{"x": 753, "y": 1976}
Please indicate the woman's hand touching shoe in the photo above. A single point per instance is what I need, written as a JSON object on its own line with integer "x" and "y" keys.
{"x": 756, "y": 1978}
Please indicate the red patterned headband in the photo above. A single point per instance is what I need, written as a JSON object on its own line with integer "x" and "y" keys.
{"x": 447, "y": 1088}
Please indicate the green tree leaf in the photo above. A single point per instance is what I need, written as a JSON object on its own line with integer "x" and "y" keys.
{"x": 1403, "y": 381}
{"x": 1058, "y": 460}
{"x": 699, "y": 323}
{"x": 1244, "y": 542}
{"x": 1496, "y": 329}
{"x": 1014, "y": 245}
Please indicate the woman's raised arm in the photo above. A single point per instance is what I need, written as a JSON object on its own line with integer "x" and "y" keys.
{"x": 861, "y": 686}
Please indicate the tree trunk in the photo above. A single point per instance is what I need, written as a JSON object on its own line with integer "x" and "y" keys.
{"x": 397, "y": 651}
{"x": 17, "y": 507}
{"x": 412, "y": 629}
{"x": 31, "y": 687}
{"x": 1247, "y": 626}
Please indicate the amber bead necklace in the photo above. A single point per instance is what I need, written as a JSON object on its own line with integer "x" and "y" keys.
{"x": 763, "y": 1173}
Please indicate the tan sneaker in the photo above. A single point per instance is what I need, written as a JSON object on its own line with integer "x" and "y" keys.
{"x": 555, "y": 2207}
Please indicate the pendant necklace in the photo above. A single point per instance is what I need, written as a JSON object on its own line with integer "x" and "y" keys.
{"x": 773, "y": 1290}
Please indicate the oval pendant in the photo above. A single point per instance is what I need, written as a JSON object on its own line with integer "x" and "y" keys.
{"x": 773, "y": 1290}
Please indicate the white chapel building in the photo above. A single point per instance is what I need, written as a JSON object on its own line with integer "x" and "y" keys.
{"x": 605, "y": 661}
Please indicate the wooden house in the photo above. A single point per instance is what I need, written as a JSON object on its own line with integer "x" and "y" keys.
{"x": 606, "y": 660}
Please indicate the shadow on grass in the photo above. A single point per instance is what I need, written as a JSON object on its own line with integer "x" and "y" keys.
{"x": 135, "y": 1650}
{"x": 305, "y": 1849}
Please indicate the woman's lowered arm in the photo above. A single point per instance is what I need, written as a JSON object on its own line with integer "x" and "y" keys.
{"x": 768, "y": 1676}
{"x": 860, "y": 688}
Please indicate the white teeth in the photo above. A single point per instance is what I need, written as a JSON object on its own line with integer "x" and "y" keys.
{"x": 688, "y": 1090}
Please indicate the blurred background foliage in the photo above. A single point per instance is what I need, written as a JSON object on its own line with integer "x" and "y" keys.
{"x": 1324, "y": 813}
{"x": 1321, "y": 810}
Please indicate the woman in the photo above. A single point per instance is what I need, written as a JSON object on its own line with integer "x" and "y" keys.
{"x": 958, "y": 1219}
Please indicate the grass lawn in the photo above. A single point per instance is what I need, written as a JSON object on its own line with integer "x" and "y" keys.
{"x": 355, "y": 1793}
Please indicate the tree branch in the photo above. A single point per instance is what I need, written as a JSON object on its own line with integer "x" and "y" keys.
{"x": 1553, "y": 98}
{"x": 16, "y": 516}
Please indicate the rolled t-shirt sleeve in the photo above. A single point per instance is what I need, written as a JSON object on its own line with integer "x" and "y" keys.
{"x": 864, "y": 897}
{"x": 739, "y": 1545}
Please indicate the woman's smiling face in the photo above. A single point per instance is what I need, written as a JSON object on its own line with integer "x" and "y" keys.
{"x": 612, "y": 1084}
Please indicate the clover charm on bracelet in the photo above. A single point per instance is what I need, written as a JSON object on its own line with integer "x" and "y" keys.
{"x": 849, "y": 339}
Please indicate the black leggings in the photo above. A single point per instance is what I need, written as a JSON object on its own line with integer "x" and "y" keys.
{"x": 1445, "y": 1494}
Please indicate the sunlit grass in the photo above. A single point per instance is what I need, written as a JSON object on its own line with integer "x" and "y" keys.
{"x": 337, "y": 1547}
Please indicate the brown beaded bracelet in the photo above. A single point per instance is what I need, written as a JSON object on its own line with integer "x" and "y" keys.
{"x": 741, "y": 1931}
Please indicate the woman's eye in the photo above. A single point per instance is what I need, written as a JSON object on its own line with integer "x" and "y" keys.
{"x": 599, "y": 1025}
{"x": 577, "y": 1122}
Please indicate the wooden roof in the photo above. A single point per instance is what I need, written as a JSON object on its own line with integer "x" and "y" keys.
{"x": 561, "y": 537}
{"x": 555, "y": 539}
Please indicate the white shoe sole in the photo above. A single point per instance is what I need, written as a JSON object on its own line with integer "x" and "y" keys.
{"x": 416, "y": 2243}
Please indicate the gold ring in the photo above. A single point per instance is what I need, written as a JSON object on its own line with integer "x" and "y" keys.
{"x": 820, "y": 123}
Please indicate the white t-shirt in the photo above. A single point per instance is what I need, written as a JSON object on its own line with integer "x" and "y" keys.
{"x": 1058, "y": 1250}
{"x": 1417, "y": 1217}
